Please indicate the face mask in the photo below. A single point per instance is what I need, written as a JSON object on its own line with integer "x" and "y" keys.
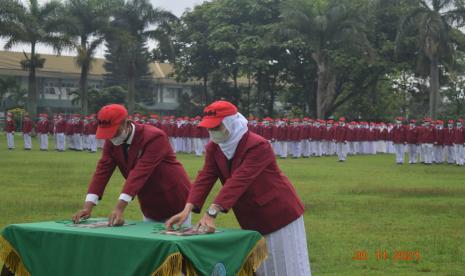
{"x": 119, "y": 139}
{"x": 219, "y": 136}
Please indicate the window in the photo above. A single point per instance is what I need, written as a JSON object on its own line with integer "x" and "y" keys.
{"x": 50, "y": 91}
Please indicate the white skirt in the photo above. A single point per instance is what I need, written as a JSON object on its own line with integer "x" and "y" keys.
{"x": 287, "y": 252}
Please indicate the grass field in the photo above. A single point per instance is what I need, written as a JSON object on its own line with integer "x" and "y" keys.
{"x": 366, "y": 204}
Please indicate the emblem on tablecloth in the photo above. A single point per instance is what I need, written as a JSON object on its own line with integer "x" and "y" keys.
{"x": 219, "y": 270}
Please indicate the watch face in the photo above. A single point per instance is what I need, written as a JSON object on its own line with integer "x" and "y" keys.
{"x": 212, "y": 212}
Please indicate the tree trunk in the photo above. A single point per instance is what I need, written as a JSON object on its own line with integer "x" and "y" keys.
{"x": 434, "y": 88}
{"x": 205, "y": 89}
{"x": 131, "y": 89}
{"x": 272, "y": 97}
{"x": 32, "y": 85}
{"x": 83, "y": 87}
{"x": 260, "y": 96}
{"x": 326, "y": 85}
{"x": 249, "y": 89}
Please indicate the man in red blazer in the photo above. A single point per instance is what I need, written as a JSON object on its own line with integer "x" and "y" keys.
{"x": 27, "y": 130}
{"x": 399, "y": 140}
{"x": 459, "y": 141}
{"x": 10, "y": 129}
{"x": 449, "y": 134}
{"x": 341, "y": 140}
{"x": 147, "y": 162}
{"x": 263, "y": 199}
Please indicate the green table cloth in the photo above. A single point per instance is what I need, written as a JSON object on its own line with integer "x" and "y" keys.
{"x": 51, "y": 248}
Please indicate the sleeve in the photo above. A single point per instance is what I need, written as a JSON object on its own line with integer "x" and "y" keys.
{"x": 105, "y": 167}
{"x": 152, "y": 155}
{"x": 255, "y": 162}
{"x": 204, "y": 182}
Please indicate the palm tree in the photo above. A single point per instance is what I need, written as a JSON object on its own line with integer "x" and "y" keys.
{"x": 85, "y": 23}
{"x": 134, "y": 24}
{"x": 7, "y": 86}
{"x": 436, "y": 24}
{"x": 325, "y": 27}
{"x": 31, "y": 24}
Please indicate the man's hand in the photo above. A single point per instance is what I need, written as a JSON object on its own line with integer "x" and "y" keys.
{"x": 85, "y": 213}
{"x": 207, "y": 221}
{"x": 116, "y": 217}
{"x": 180, "y": 218}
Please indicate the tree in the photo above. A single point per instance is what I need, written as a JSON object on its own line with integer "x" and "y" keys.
{"x": 197, "y": 59}
{"x": 9, "y": 86}
{"x": 100, "y": 98}
{"x": 31, "y": 24}
{"x": 326, "y": 27}
{"x": 135, "y": 22}
{"x": 436, "y": 23}
{"x": 85, "y": 23}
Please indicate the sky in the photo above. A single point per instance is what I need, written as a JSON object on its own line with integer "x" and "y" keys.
{"x": 175, "y": 6}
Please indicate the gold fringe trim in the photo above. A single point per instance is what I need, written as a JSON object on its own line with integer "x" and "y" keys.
{"x": 255, "y": 258}
{"x": 11, "y": 258}
{"x": 171, "y": 266}
{"x": 190, "y": 270}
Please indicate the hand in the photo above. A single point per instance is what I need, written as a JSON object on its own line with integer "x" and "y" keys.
{"x": 180, "y": 218}
{"x": 116, "y": 218}
{"x": 81, "y": 214}
{"x": 207, "y": 221}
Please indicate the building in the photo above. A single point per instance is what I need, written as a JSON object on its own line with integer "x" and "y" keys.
{"x": 60, "y": 76}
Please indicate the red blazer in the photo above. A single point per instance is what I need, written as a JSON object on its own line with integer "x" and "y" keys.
{"x": 341, "y": 134}
{"x": 10, "y": 126}
{"x": 398, "y": 134}
{"x": 262, "y": 197}
{"x": 27, "y": 126}
{"x": 449, "y": 134}
{"x": 151, "y": 172}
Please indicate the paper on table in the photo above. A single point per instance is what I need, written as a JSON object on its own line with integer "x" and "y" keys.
{"x": 191, "y": 231}
{"x": 94, "y": 223}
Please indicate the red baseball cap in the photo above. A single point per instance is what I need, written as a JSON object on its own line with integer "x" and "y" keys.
{"x": 109, "y": 120}
{"x": 215, "y": 113}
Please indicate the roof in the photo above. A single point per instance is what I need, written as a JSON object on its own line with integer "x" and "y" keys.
{"x": 65, "y": 66}
{"x": 10, "y": 61}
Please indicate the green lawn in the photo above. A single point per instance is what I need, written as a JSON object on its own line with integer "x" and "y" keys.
{"x": 365, "y": 204}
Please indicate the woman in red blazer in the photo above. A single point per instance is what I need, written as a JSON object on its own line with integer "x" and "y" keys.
{"x": 262, "y": 197}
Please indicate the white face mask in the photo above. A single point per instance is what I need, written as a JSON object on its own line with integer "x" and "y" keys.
{"x": 219, "y": 136}
{"x": 120, "y": 139}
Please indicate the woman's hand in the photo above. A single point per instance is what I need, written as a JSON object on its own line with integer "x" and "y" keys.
{"x": 179, "y": 218}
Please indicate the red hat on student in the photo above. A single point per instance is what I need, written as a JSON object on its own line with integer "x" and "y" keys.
{"x": 215, "y": 113}
{"x": 109, "y": 120}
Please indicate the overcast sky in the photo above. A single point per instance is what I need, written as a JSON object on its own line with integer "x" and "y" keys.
{"x": 175, "y": 6}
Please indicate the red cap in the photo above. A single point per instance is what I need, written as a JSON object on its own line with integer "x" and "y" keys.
{"x": 109, "y": 120}
{"x": 413, "y": 121}
{"x": 460, "y": 120}
{"x": 399, "y": 119}
{"x": 439, "y": 122}
{"x": 451, "y": 121}
{"x": 215, "y": 112}
{"x": 342, "y": 119}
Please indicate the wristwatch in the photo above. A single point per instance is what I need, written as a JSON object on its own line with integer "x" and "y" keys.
{"x": 212, "y": 212}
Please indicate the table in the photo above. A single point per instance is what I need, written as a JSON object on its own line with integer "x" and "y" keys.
{"x": 52, "y": 248}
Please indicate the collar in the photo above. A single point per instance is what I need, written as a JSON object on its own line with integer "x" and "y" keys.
{"x": 131, "y": 136}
